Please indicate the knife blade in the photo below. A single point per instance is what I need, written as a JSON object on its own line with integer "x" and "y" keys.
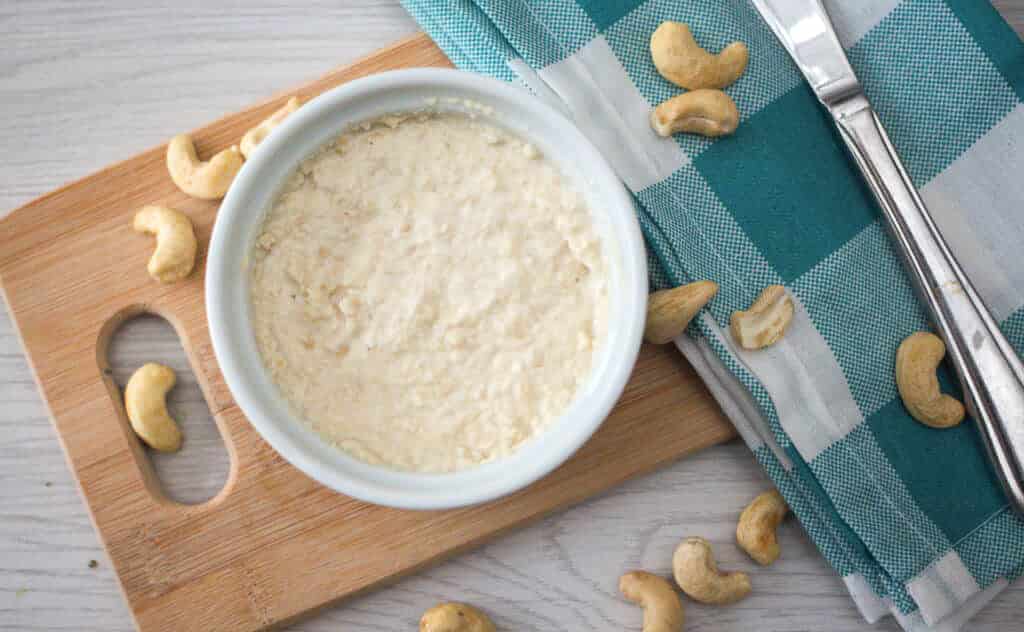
{"x": 989, "y": 370}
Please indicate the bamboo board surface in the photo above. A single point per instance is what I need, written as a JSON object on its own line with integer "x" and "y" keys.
{"x": 272, "y": 545}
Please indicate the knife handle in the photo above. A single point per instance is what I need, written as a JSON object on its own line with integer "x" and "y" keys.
{"x": 990, "y": 371}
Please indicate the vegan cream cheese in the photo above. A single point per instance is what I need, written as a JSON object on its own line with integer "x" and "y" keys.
{"x": 428, "y": 292}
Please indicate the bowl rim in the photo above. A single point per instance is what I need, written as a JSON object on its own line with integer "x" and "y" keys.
{"x": 442, "y": 490}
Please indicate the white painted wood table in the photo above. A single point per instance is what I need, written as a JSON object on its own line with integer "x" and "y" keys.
{"x": 86, "y": 84}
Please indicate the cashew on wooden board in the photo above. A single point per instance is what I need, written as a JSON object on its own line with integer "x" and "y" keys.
{"x": 203, "y": 180}
{"x": 917, "y": 359}
{"x": 147, "y": 409}
{"x": 663, "y": 612}
{"x": 175, "y": 252}
{"x": 755, "y": 531}
{"x": 255, "y": 136}
{"x": 694, "y": 568}
{"x": 455, "y": 617}
{"x": 705, "y": 112}
{"x": 669, "y": 312}
{"x": 680, "y": 59}
{"x": 766, "y": 320}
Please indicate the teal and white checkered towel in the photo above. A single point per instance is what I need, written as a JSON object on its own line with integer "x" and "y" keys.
{"x": 912, "y": 518}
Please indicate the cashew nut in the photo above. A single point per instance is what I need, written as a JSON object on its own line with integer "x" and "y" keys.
{"x": 147, "y": 409}
{"x": 765, "y": 321}
{"x": 669, "y": 312}
{"x": 203, "y": 180}
{"x": 755, "y": 532}
{"x": 706, "y": 112}
{"x": 663, "y": 612}
{"x": 695, "y": 571}
{"x": 255, "y": 136}
{"x": 175, "y": 252}
{"x": 455, "y": 617}
{"x": 916, "y": 360}
{"x": 681, "y": 60}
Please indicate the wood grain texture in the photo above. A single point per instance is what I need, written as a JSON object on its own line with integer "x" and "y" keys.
{"x": 83, "y": 85}
{"x": 73, "y": 270}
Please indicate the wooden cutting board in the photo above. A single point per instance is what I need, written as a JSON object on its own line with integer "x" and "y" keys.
{"x": 273, "y": 544}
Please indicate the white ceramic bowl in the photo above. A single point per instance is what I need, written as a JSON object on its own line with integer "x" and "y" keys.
{"x": 253, "y": 191}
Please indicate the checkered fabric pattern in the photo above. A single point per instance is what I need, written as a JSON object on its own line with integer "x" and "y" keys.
{"x": 912, "y": 518}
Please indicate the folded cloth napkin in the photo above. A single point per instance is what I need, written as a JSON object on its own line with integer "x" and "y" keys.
{"x": 912, "y": 518}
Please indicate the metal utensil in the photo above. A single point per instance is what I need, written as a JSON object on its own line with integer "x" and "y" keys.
{"x": 990, "y": 372}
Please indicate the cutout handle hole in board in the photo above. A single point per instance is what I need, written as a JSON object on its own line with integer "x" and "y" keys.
{"x": 199, "y": 470}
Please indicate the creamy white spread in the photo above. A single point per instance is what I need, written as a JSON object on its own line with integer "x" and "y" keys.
{"x": 428, "y": 292}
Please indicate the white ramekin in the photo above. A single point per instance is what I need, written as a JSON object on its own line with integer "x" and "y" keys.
{"x": 320, "y": 120}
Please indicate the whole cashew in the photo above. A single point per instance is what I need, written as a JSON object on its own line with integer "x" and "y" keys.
{"x": 663, "y": 612}
{"x": 203, "y": 180}
{"x": 455, "y": 617}
{"x": 766, "y": 320}
{"x": 175, "y": 252}
{"x": 681, "y": 60}
{"x": 147, "y": 409}
{"x": 695, "y": 571}
{"x": 669, "y": 312}
{"x": 706, "y": 112}
{"x": 916, "y": 360}
{"x": 755, "y": 532}
{"x": 255, "y": 136}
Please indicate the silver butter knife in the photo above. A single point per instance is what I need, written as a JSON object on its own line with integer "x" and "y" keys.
{"x": 990, "y": 372}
